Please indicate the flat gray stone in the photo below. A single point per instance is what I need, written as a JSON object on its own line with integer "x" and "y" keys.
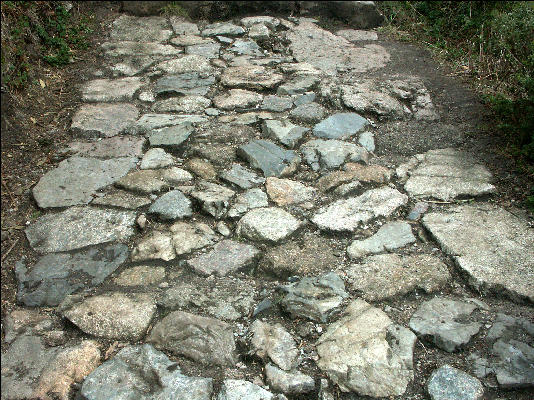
{"x": 223, "y": 28}
{"x": 298, "y": 85}
{"x": 330, "y": 154}
{"x": 258, "y": 32}
{"x": 449, "y": 383}
{"x": 187, "y": 63}
{"x": 271, "y": 159}
{"x": 367, "y": 141}
{"x": 79, "y": 227}
{"x": 187, "y": 237}
{"x": 237, "y": 99}
{"x": 115, "y": 316}
{"x": 314, "y": 298}
{"x": 114, "y": 147}
{"x": 269, "y": 224}
{"x": 190, "y": 83}
{"x": 172, "y": 205}
{"x": 154, "y": 246}
{"x": 366, "y": 353}
{"x": 436, "y": 320}
{"x": 446, "y": 174}
{"x": 208, "y": 50}
{"x": 388, "y": 275}
{"x": 149, "y": 122}
{"x": 391, "y": 236}
{"x": 283, "y": 131}
{"x": 250, "y": 77}
{"x": 132, "y": 48}
{"x": 141, "y": 29}
{"x": 130, "y": 66}
{"x": 181, "y": 27}
{"x": 189, "y": 40}
{"x": 494, "y": 247}
{"x": 206, "y": 340}
{"x": 275, "y": 343}
{"x": 148, "y": 181}
{"x": 309, "y": 113}
{"x": 111, "y": 90}
{"x": 226, "y": 298}
{"x": 103, "y": 120}
{"x": 347, "y": 215}
{"x": 141, "y": 275}
{"x": 76, "y": 180}
{"x": 171, "y": 136}
{"x": 340, "y": 126}
{"x": 56, "y": 275}
{"x": 246, "y": 47}
{"x": 226, "y": 257}
{"x": 242, "y": 177}
{"x": 252, "y": 198}
{"x": 185, "y": 104}
{"x": 293, "y": 382}
{"x": 285, "y": 191}
{"x": 215, "y": 199}
{"x": 233, "y": 389}
{"x": 156, "y": 158}
{"x": 150, "y": 374}
{"x": 306, "y": 98}
{"x": 276, "y": 103}
{"x": 270, "y": 22}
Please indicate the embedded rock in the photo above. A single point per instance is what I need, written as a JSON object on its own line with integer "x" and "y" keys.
{"x": 340, "y": 126}
{"x": 171, "y": 136}
{"x": 294, "y": 382}
{"x": 103, "y": 119}
{"x": 191, "y": 83}
{"x": 252, "y": 198}
{"x": 172, "y": 205}
{"x": 145, "y": 29}
{"x": 309, "y": 113}
{"x": 237, "y": 99}
{"x": 276, "y": 103}
{"x": 250, "y": 77}
{"x": 140, "y": 275}
{"x": 224, "y": 29}
{"x": 283, "y": 131}
{"x": 275, "y": 343}
{"x": 448, "y": 383}
{"x": 330, "y": 154}
{"x": 267, "y": 224}
{"x": 286, "y": 191}
{"x": 185, "y": 104}
{"x": 215, "y": 199}
{"x": 156, "y": 158}
{"x": 242, "y": 177}
{"x": 187, "y": 237}
{"x": 131, "y": 48}
{"x": 155, "y": 246}
{"x": 390, "y": 236}
{"x": 270, "y": 158}
{"x": 114, "y": 147}
{"x": 110, "y": 90}
{"x": 233, "y": 389}
{"x": 207, "y": 50}
{"x": 185, "y": 64}
{"x": 152, "y": 181}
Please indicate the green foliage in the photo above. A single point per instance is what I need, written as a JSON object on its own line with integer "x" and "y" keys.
{"x": 174, "y": 8}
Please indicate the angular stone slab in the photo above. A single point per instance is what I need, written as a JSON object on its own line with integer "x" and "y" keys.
{"x": 380, "y": 360}
{"x": 446, "y": 174}
{"x": 103, "y": 119}
{"x": 154, "y": 246}
{"x": 283, "y": 131}
{"x": 449, "y": 383}
{"x": 388, "y": 275}
{"x": 276, "y": 103}
{"x": 188, "y": 237}
{"x": 286, "y": 191}
{"x": 314, "y": 298}
{"x": 156, "y": 158}
{"x": 76, "y": 179}
{"x": 437, "y": 320}
{"x": 149, "y": 374}
{"x": 248, "y": 200}
{"x": 79, "y": 227}
{"x": 226, "y": 257}
{"x": 130, "y": 48}
{"x": 115, "y": 147}
{"x": 190, "y": 83}
{"x": 269, "y": 224}
{"x": 246, "y": 47}
{"x": 206, "y": 340}
{"x": 149, "y": 122}
{"x": 223, "y": 28}
{"x": 141, "y": 275}
{"x": 56, "y": 275}
{"x": 270, "y": 158}
{"x": 172, "y": 205}
{"x": 215, "y": 199}
{"x": 148, "y": 181}
{"x": 270, "y": 22}
{"x": 309, "y": 113}
{"x": 250, "y": 77}
{"x": 340, "y": 126}
{"x": 347, "y": 215}
{"x": 181, "y": 27}
{"x": 115, "y": 316}
{"x": 148, "y": 29}
{"x": 110, "y": 90}
{"x": 237, "y": 99}
{"x": 272, "y": 341}
{"x": 171, "y": 136}
{"x": 185, "y": 64}
{"x": 234, "y": 389}
{"x": 131, "y": 66}
{"x": 208, "y": 50}
{"x": 242, "y": 177}
{"x": 494, "y": 247}
{"x": 392, "y": 235}
{"x": 189, "y": 40}
{"x": 332, "y": 153}
{"x": 294, "y": 382}
{"x": 186, "y": 104}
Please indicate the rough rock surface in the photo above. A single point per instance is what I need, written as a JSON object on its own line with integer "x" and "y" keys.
{"x": 110, "y": 90}
{"x": 283, "y": 131}
{"x": 286, "y": 191}
{"x": 103, "y": 119}
{"x": 288, "y": 382}
{"x": 242, "y": 177}
{"x": 155, "y": 246}
{"x": 389, "y": 237}
{"x": 449, "y": 383}
{"x": 252, "y": 198}
{"x": 233, "y": 389}
{"x": 172, "y": 205}
{"x": 115, "y": 147}
{"x": 330, "y": 154}
{"x": 187, "y": 237}
{"x": 275, "y": 343}
{"x": 270, "y": 224}
{"x": 340, "y": 126}
{"x": 214, "y": 199}
{"x": 271, "y": 159}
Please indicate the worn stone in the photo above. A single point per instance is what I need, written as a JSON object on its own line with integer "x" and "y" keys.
{"x": 252, "y": 198}
{"x": 201, "y": 168}
{"x": 233, "y": 389}
{"x": 330, "y": 154}
{"x": 438, "y": 321}
{"x": 388, "y": 275}
{"x": 267, "y": 224}
{"x": 79, "y": 227}
{"x": 276, "y": 103}
{"x": 187, "y": 237}
{"x": 115, "y": 316}
{"x": 21, "y": 322}
{"x": 140, "y": 276}
{"x": 237, "y": 99}
{"x": 298, "y": 85}
{"x": 147, "y": 29}
{"x": 293, "y": 382}
{"x": 156, "y": 158}
{"x": 155, "y": 246}
{"x": 270, "y": 22}
{"x": 171, "y": 136}
{"x": 103, "y": 120}
{"x": 207, "y": 50}
{"x": 150, "y": 122}
{"x": 181, "y": 27}
{"x": 223, "y": 28}
{"x": 246, "y": 47}
{"x": 114, "y": 147}
{"x": 380, "y": 360}
{"x": 215, "y": 199}
{"x": 340, "y": 126}
{"x": 270, "y": 158}
{"x": 314, "y": 298}
{"x": 206, "y": 340}
{"x": 186, "y": 104}
{"x": 172, "y": 205}
{"x": 309, "y": 113}
{"x": 191, "y": 83}
{"x": 131, "y": 48}
{"x": 275, "y": 343}
{"x": 492, "y": 246}
{"x": 392, "y": 235}
{"x": 189, "y": 40}
{"x": 367, "y": 141}
{"x": 306, "y": 98}
{"x": 283, "y": 131}
{"x": 418, "y": 209}
{"x": 250, "y": 77}
{"x": 131, "y": 66}
{"x": 109, "y": 90}
{"x": 77, "y": 179}
{"x": 149, "y": 373}
{"x": 448, "y": 383}
{"x": 226, "y": 257}
{"x": 242, "y": 177}
{"x": 284, "y": 191}
{"x": 258, "y": 32}
{"x": 347, "y": 215}
{"x": 56, "y": 275}
{"x": 153, "y": 180}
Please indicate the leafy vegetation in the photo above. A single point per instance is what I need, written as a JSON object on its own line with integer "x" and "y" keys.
{"x": 38, "y": 30}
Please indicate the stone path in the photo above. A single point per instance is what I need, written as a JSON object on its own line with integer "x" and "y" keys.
{"x": 223, "y": 229}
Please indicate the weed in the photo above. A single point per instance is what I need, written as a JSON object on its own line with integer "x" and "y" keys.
{"x": 174, "y": 9}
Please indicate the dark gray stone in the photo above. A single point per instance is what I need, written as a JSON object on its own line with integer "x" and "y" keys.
{"x": 208, "y": 50}
{"x": 56, "y": 275}
{"x": 242, "y": 177}
{"x": 171, "y": 136}
{"x": 276, "y": 103}
{"x": 97, "y": 120}
{"x": 309, "y": 113}
{"x": 283, "y": 131}
{"x": 448, "y": 383}
{"x": 172, "y": 205}
{"x": 184, "y": 84}
{"x": 340, "y": 126}
{"x": 246, "y": 47}
{"x": 271, "y": 159}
